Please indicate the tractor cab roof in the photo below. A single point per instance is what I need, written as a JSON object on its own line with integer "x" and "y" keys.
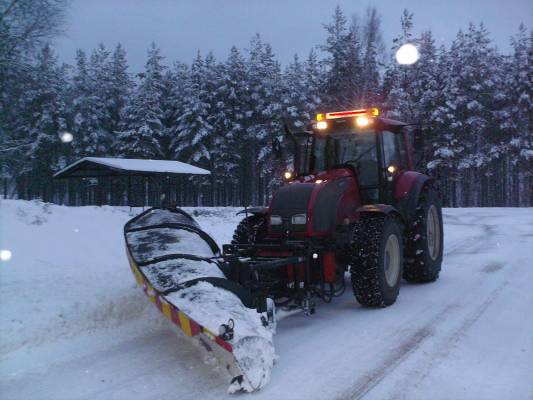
{"x": 361, "y": 119}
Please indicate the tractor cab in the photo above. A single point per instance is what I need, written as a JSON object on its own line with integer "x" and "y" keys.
{"x": 376, "y": 150}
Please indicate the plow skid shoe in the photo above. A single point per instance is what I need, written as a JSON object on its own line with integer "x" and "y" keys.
{"x": 176, "y": 264}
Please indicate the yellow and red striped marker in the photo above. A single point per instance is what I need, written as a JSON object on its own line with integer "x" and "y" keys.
{"x": 173, "y": 313}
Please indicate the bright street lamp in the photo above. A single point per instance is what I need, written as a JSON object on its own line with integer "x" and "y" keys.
{"x": 407, "y": 54}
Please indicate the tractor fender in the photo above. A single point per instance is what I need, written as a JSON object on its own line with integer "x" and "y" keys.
{"x": 407, "y": 204}
{"x": 254, "y": 211}
{"x": 386, "y": 209}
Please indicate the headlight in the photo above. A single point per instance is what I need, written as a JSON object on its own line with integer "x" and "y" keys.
{"x": 275, "y": 220}
{"x": 362, "y": 122}
{"x": 299, "y": 219}
{"x": 321, "y": 125}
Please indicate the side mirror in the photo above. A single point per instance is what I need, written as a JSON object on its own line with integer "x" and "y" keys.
{"x": 309, "y": 127}
{"x": 276, "y": 148}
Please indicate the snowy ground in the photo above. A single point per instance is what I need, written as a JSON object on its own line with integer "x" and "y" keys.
{"x": 73, "y": 325}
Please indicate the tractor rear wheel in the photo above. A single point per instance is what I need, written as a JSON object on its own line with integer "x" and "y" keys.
{"x": 250, "y": 230}
{"x": 424, "y": 245}
{"x": 376, "y": 260}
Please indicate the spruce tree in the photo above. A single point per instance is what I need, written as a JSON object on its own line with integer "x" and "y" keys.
{"x": 518, "y": 120}
{"x": 368, "y": 92}
{"x": 234, "y": 90}
{"x": 89, "y": 113}
{"x": 120, "y": 86}
{"x": 192, "y": 126}
{"x": 142, "y": 127}
{"x": 313, "y": 82}
{"x": 341, "y": 57}
{"x": 44, "y": 122}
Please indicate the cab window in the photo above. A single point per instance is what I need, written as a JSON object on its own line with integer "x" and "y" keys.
{"x": 394, "y": 150}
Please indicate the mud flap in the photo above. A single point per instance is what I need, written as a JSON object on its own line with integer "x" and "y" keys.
{"x": 175, "y": 263}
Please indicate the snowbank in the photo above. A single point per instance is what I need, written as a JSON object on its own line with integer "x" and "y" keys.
{"x": 69, "y": 272}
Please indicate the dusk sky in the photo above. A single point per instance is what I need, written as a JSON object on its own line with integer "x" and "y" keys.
{"x": 181, "y": 28}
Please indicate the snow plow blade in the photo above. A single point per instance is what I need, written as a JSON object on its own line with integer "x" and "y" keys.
{"x": 180, "y": 270}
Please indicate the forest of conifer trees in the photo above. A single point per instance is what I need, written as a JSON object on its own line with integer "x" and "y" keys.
{"x": 472, "y": 104}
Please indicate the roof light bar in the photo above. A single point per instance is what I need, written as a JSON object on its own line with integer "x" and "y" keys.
{"x": 373, "y": 112}
{"x": 342, "y": 114}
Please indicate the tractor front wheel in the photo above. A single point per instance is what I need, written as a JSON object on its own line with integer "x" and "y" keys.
{"x": 250, "y": 230}
{"x": 376, "y": 260}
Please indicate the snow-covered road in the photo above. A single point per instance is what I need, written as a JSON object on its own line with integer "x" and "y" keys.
{"x": 74, "y": 326}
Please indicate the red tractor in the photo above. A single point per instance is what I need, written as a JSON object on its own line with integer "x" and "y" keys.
{"x": 352, "y": 204}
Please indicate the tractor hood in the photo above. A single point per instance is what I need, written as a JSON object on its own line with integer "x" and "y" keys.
{"x": 294, "y": 196}
{"x": 319, "y": 196}
{"x": 291, "y": 199}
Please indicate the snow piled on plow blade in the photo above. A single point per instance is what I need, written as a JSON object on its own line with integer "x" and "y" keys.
{"x": 252, "y": 345}
{"x": 199, "y": 308}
